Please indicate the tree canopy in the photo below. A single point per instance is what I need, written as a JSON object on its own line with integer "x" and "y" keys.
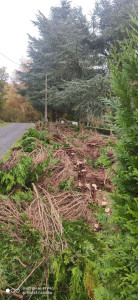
{"x": 73, "y": 52}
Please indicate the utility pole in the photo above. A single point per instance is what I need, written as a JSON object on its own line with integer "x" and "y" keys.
{"x": 46, "y": 99}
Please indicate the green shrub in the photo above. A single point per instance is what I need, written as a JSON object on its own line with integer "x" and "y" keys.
{"x": 19, "y": 175}
{"x": 18, "y": 257}
{"x": 73, "y": 269}
{"x": 103, "y": 159}
{"x": 23, "y": 196}
{"x": 32, "y": 132}
{"x": 66, "y": 184}
{"x": 29, "y": 144}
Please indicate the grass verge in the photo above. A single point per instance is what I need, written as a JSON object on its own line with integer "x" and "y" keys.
{"x": 6, "y": 155}
{"x": 4, "y": 124}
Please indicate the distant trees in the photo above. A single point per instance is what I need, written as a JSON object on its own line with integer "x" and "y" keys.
{"x": 16, "y": 108}
{"x": 3, "y": 83}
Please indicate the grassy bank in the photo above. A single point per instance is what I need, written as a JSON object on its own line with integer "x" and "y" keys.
{"x": 8, "y": 152}
{"x": 4, "y": 124}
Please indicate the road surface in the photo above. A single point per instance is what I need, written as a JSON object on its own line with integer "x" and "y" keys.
{"x": 10, "y": 133}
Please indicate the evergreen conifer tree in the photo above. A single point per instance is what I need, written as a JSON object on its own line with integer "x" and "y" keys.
{"x": 118, "y": 267}
{"x": 61, "y": 51}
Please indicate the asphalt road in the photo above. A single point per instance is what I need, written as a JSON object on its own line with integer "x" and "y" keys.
{"x": 10, "y": 133}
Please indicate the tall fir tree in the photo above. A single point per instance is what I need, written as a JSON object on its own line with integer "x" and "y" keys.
{"x": 67, "y": 49}
{"x": 111, "y": 21}
{"x": 60, "y": 51}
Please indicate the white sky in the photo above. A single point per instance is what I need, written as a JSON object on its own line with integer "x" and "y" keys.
{"x": 15, "y": 23}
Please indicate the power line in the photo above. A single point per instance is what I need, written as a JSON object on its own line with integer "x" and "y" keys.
{"x": 9, "y": 58}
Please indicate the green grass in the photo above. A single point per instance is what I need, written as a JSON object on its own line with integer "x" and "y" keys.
{"x": 4, "y": 124}
{"x": 8, "y": 152}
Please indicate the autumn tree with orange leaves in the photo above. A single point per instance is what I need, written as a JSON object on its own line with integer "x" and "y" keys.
{"x": 17, "y": 108}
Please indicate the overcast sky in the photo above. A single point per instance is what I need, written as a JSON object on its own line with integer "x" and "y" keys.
{"x": 15, "y": 23}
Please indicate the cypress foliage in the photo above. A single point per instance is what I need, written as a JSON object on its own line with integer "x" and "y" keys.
{"x": 118, "y": 267}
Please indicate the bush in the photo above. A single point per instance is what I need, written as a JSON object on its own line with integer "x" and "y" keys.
{"x": 73, "y": 268}
{"x": 31, "y": 132}
{"x": 18, "y": 256}
{"x": 37, "y": 134}
{"x": 29, "y": 144}
{"x": 19, "y": 175}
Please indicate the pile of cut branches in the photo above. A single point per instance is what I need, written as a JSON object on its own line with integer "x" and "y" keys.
{"x": 44, "y": 216}
{"x": 59, "y": 170}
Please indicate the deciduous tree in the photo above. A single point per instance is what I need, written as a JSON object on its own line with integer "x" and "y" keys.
{"x": 17, "y": 108}
{"x": 3, "y": 83}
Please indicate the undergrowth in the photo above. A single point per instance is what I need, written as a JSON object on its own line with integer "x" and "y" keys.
{"x": 66, "y": 184}
{"x": 74, "y": 268}
{"x": 18, "y": 258}
{"x": 103, "y": 160}
{"x": 20, "y": 175}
